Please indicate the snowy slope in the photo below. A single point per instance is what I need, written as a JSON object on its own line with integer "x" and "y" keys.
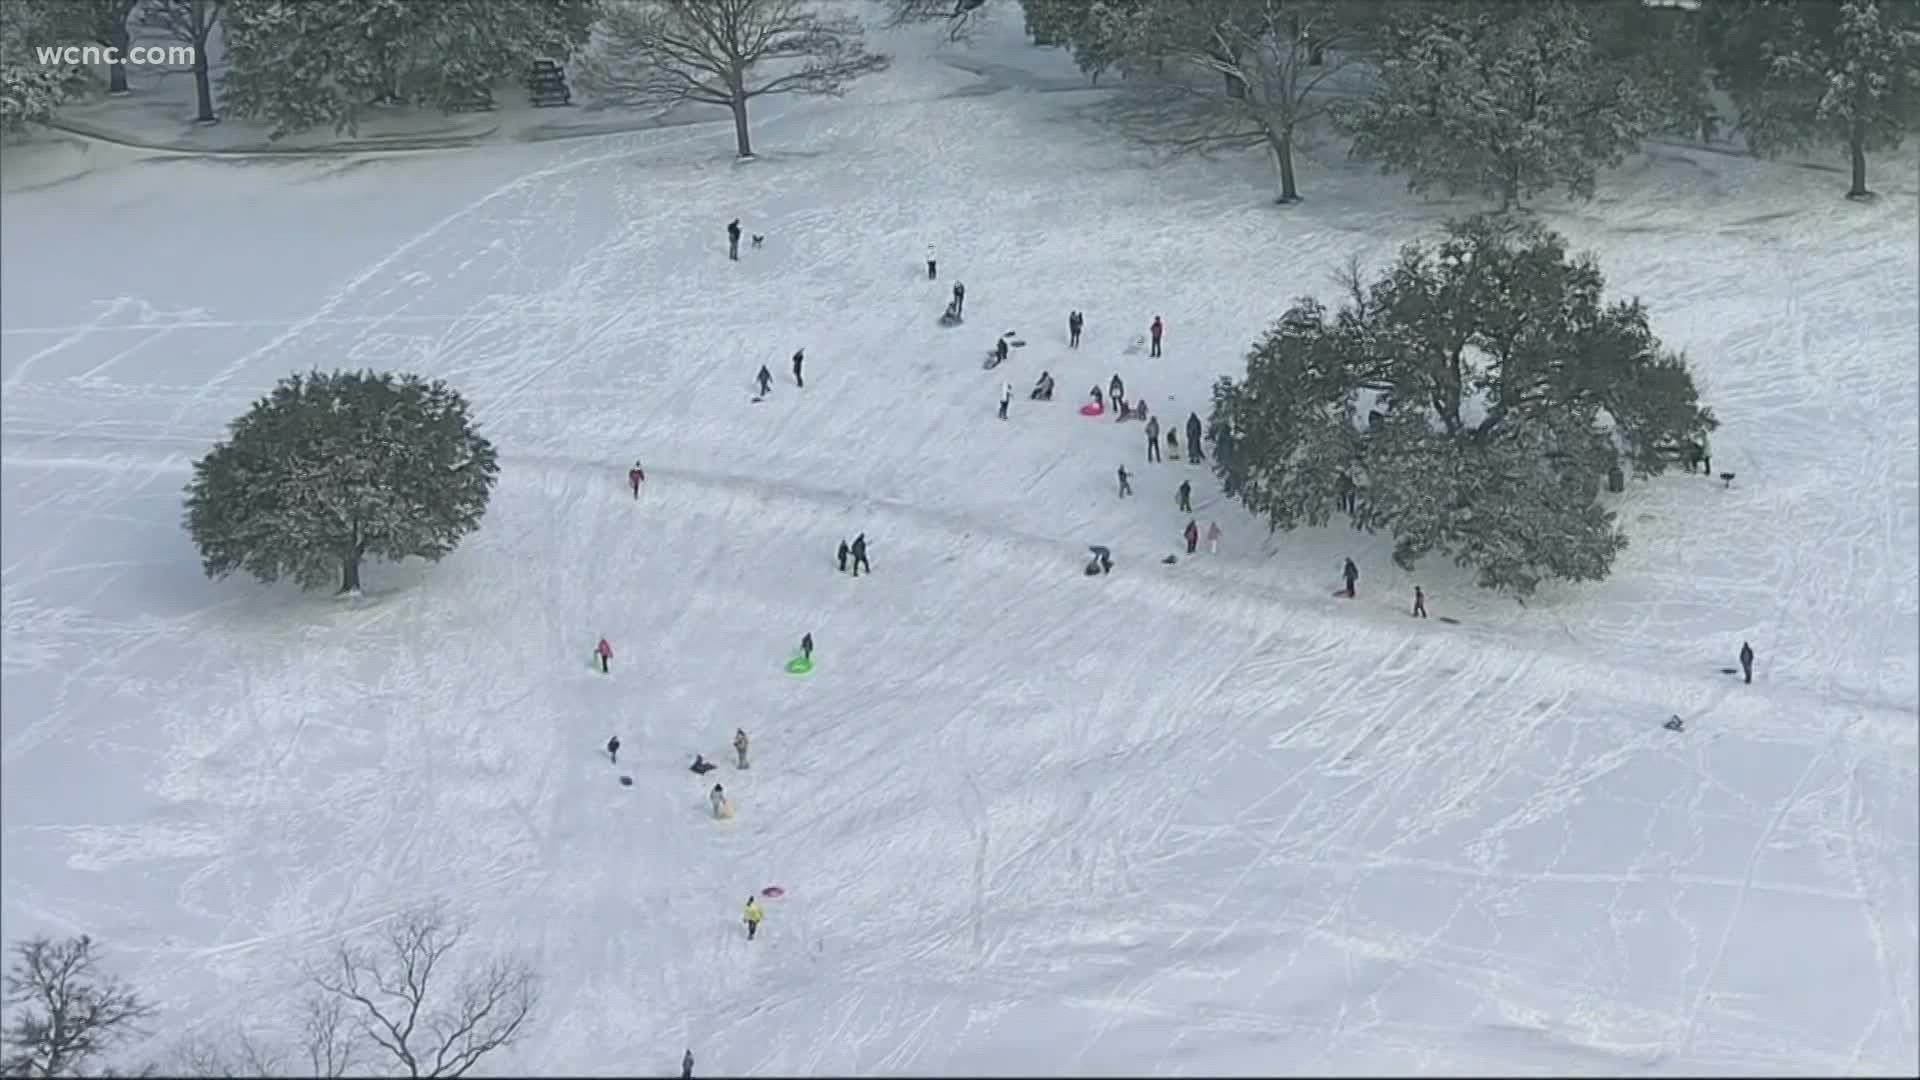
{"x": 1187, "y": 819}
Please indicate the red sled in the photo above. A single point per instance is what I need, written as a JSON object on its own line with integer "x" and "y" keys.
{"x": 773, "y": 892}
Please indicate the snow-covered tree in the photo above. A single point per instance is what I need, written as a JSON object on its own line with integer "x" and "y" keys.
{"x": 190, "y": 22}
{"x": 1261, "y": 65}
{"x": 958, "y": 16}
{"x": 724, "y": 52}
{"x": 332, "y": 468}
{"x": 65, "y": 1015}
{"x": 1803, "y": 74}
{"x": 103, "y": 22}
{"x": 1474, "y": 396}
{"x": 1498, "y": 99}
{"x": 298, "y": 65}
{"x": 29, "y": 89}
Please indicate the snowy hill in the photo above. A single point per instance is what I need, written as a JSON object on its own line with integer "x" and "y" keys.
{"x": 1186, "y": 819}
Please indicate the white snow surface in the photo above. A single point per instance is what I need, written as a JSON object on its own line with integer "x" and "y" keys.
{"x": 1198, "y": 818}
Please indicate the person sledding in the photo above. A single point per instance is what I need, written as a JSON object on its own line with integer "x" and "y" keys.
{"x": 1042, "y": 388}
{"x": 951, "y": 317}
{"x": 701, "y": 767}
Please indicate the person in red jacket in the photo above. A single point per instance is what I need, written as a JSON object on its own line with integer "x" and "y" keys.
{"x": 1193, "y": 536}
{"x": 1154, "y": 333}
{"x": 605, "y": 652}
{"x": 635, "y": 477}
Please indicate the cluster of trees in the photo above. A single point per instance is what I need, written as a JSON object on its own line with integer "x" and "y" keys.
{"x": 1468, "y": 402}
{"x": 296, "y": 65}
{"x": 402, "y": 1001}
{"x": 1493, "y": 97}
{"x": 330, "y": 469}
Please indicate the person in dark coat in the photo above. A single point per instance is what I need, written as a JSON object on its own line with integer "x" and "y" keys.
{"x": 859, "y": 552}
{"x": 843, "y": 556}
{"x": 1074, "y": 322}
{"x": 765, "y": 379}
{"x": 1350, "y": 573}
{"x": 1183, "y": 498}
{"x": 1000, "y": 350}
{"x": 635, "y": 477}
{"x": 1154, "y": 333}
{"x": 1419, "y": 602}
{"x": 1116, "y": 389}
{"x": 799, "y": 357}
{"x": 1344, "y": 493}
{"x": 1746, "y": 661}
{"x": 806, "y": 646}
{"x": 613, "y": 750}
{"x": 733, "y": 239}
{"x": 959, "y": 298}
{"x": 1193, "y": 438}
{"x": 1153, "y": 439}
{"x": 686, "y": 1066}
{"x": 1126, "y": 489}
{"x": 1193, "y": 536}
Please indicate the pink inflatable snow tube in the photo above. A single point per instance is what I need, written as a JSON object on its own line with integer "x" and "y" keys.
{"x": 1090, "y": 409}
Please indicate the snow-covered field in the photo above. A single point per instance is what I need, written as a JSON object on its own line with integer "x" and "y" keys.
{"x": 1193, "y": 818}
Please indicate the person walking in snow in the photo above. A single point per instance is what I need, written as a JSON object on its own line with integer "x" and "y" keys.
{"x": 1075, "y": 321}
{"x": 1213, "y": 538}
{"x": 686, "y": 1066}
{"x": 1006, "y": 397}
{"x": 959, "y": 298}
{"x": 1419, "y": 602}
{"x": 1350, "y": 574}
{"x": 1126, "y": 489}
{"x": 613, "y": 750}
{"x": 1183, "y": 498}
{"x": 752, "y": 917}
{"x": 1344, "y": 493}
{"x": 605, "y": 652}
{"x": 799, "y": 357}
{"x": 1173, "y": 443}
{"x": 843, "y": 556}
{"x": 1153, "y": 439}
{"x": 933, "y": 268}
{"x": 1193, "y": 536}
{"x": 765, "y": 379}
{"x": 1153, "y": 333}
{"x": 859, "y": 551}
{"x": 733, "y": 239}
{"x": 717, "y": 799}
{"x": 1746, "y": 661}
{"x": 740, "y": 747}
{"x": 635, "y": 477}
{"x": 1116, "y": 390}
{"x": 1193, "y": 438}
{"x": 806, "y": 646}
{"x": 1000, "y": 351}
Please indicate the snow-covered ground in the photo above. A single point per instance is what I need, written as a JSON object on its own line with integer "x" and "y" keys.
{"x": 1186, "y": 819}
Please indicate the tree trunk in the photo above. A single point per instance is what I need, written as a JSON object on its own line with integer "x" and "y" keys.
{"x": 122, "y": 41}
{"x": 350, "y": 574}
{"x": 1281, "y": 147}
{"x": 741, "y": 142}
{"x": 1857, "y": 151}
{"x": 202, "y": 87}
{"x": 1236, "y": 86}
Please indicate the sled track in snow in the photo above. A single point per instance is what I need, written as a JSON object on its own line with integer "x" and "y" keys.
{"x": 1287, "y": 616}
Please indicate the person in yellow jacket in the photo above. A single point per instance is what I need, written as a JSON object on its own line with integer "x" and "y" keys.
{"x": 753, "y": 917}
{"x": 740, "y": 745}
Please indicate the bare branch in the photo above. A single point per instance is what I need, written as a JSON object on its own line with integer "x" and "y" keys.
{"x": 406, "y": 1003}
{"x": 68, "y": 1013}
{"x": 237, "y": 1056}
{"x": 663, "y": 52}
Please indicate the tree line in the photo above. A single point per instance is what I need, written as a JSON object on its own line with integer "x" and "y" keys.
{"x": 404, "y": 999}
{"x": 298, "y": 66}
{"x": 1502, "y": 98}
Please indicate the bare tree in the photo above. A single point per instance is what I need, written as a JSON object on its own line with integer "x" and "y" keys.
{"x": 190, "y": 22}
{"x": 1270, "y": 59}
{"x": 401, "y": 997}
{"x": 238, "y": 1056}
{"x": 664, "y": 52}
{"x": 67, "y": 1014}
{"x": 959, "y": 15}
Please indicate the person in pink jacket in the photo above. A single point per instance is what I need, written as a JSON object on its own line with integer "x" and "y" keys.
{"x": 1213, "y": 538}
{"x": 605, "y": 652}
